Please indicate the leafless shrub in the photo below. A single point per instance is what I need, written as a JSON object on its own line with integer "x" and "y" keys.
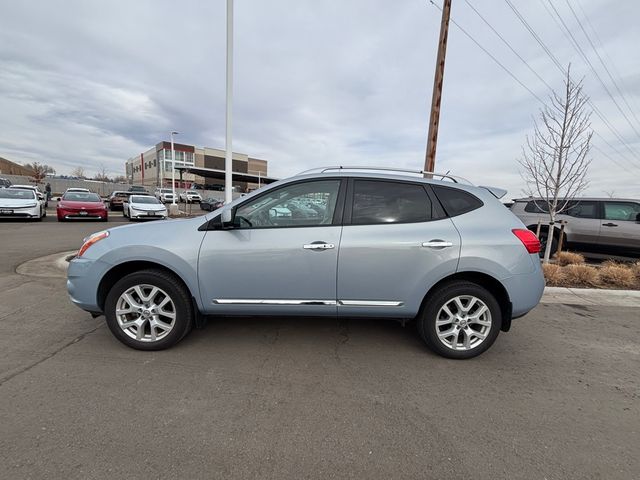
{"x": 617, "y": 274}
{"x": 581, "y": 276}
{"x": 554, "y": 274}
{"x": 569, "y": 258}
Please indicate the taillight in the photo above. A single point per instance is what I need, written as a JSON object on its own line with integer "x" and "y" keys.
{"x": 96, "y": 237}
{"x": 528, "y": 239}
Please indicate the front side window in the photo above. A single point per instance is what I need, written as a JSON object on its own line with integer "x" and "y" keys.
{"x": 625, "y": 211}
{"x": 376, "y": 202}
{"x": 305, "y": 204}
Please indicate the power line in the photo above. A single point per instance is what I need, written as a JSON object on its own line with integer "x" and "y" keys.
{"x": 509, "y": 45}
{"x": 561, "y": 69}
{"x": 490, "y": 55}
{"x": 579, "y": 49}
{"x": 604, "y": 65}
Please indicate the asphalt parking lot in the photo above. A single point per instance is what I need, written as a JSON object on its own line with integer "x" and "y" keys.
{"x": 558, "y": 397}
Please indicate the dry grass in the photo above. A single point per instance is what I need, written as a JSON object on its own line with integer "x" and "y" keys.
{"x": 569, "y": 258}
{"x": 608, "y": 275}
{"x": 636, "y": 270}
{"x": 554, "y": 274}
{"x": 617, "y": 274}
{"x": 581, "y": 276}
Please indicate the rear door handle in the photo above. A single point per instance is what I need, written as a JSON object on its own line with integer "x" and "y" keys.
{"x": 437, "y": 244}
{"x": 318, "y": 246}
{"x": 609, "y": 224}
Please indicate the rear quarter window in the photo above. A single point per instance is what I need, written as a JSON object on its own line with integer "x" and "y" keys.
{"x": 456, "y": 201}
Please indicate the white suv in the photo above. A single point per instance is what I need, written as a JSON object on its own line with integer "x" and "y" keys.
{"x": 165, "y": 195}
{"x": 190, "y": 196}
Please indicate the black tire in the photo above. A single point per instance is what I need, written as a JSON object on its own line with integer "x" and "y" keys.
{"x": 437, "y": 299}
{"x": 543, "y": 244}
{"x": 173, "y": 287}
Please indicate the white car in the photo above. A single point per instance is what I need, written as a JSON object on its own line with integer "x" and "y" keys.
{"x": 41, "y": 196}
{"x": 165, "y": 195}
{"x": 138, "y": 207}
{"x": 190, "y": 196}
{"x": 20, "y": 203}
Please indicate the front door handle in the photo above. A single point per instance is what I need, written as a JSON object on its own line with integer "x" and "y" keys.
{"x": 609, "y": 224}
{"x": 437, "y": 244}
{"x": 320, "y": 246}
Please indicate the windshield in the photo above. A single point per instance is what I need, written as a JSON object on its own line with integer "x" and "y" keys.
{"x": 81, "y": 197}
{"x": 191, "y": 192}
{"x": 166, "y": 190}
{"x": 17, "y": 194}
{"x": 144, "y": 199}
{"x": 120, "y": 194}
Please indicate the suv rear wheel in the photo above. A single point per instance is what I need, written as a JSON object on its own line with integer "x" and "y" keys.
{"x": 460, "y": 320}
{"x": 149, "y": 310}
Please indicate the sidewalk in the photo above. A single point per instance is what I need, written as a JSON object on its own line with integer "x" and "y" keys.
{"x": 591, "y": 296}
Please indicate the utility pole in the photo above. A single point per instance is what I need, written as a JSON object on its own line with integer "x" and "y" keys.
{"x": 434, "y": 120}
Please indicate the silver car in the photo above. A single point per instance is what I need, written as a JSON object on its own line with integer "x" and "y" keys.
{"x": 376, "y": 244}
{"x": 605, "y": 224}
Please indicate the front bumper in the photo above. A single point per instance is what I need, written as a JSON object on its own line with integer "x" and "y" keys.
{"x": 75, "y": 215}
{"x": 83, "y": 277}
{"x": 20, "y": 212}
{"x": 139, "y": 215}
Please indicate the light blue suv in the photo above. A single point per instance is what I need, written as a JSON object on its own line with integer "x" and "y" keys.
{"x": 336, "y": 241}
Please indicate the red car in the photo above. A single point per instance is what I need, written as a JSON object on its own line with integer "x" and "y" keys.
{"x": 80, "y": 205}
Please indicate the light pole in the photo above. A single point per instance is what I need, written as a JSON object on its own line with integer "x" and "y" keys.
{"x": 228, "y": 155}
{"x": 173, "y": 168}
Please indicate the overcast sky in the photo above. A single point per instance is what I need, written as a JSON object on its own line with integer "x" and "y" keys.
{"x": 322, "y": 82}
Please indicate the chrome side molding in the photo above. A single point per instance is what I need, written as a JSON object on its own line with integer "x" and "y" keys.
{"x": 253, "y": 301}
{"x": 370, "y": 303}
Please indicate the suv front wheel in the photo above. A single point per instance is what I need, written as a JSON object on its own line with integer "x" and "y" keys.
{"x": 149, "y": 310}
{"x": 460, "y": 320}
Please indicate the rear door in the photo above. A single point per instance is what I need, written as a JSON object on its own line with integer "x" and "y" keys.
{"x": 395, "y": 239}
{"x": 620, "y": 226}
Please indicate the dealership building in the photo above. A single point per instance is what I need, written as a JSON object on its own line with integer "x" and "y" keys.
{"x": 200, "y": 167}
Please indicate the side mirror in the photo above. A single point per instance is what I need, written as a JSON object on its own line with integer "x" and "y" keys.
{"x": 638, "y": 218}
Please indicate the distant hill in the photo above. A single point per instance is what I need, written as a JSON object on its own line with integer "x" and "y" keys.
{"x": 7, "y": 167}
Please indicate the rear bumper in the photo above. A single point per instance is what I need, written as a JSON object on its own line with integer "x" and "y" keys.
{"x": 525, "y": 291}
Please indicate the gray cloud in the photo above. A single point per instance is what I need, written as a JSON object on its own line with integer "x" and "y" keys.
{"x": 316, "y": 83}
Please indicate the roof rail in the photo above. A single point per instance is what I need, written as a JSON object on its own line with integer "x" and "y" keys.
{"x": 453, "y": 178}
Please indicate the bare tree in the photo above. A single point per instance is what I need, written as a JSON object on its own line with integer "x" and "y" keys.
{"x": 120, "y": 179}
{"x": 102, "y": 174}
{"x": 610, "y": 193}
{"x": 39, "y": 172}
{"x": 47, "y": 168}
{"x": 78, "y": 172}
{"x": 555, "y": 160}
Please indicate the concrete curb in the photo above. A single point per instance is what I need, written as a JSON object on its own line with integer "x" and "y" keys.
{"x": 591, "y": 296}
{"x": 50, "y": 266}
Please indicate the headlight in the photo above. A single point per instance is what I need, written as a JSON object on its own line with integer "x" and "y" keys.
{"x": 90, "y": 240}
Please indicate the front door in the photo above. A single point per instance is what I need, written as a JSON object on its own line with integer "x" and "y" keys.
{"x": 396, "y": 239}
{"x": 620, "y": 226}
{"x": 583, "y": 221}
{"x": 281, "y": 257}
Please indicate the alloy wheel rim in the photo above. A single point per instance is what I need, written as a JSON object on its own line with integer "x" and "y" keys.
{"x": 145, "y": 313}
{"x": 463, "y": 323}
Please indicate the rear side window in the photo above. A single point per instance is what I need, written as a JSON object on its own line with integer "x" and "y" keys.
{"x": 582, "y": 209}
{"x": 377, "y": 202}
{"x": 456, "y": 201}
{"x": 537, "y": 206}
